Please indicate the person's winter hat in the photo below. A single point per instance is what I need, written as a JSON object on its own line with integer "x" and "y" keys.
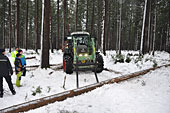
{"x": 19, "y": 51}
{"x": 2, "y": 50}
{"x": 17, "y": 55}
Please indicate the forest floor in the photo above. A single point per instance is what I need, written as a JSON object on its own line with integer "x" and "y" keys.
{"x": 152, "y": 89}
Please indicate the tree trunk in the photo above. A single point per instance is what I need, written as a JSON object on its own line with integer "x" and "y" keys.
{"x": 129, "y": 43}
{"x": 151, "y": 35}
{"x": 10, "y": 26}
{"x": 149, "y": 29}
{"x": 4, "y": 7}
{"x": 98, "y": 44}
{"x": 76, "y": 15}
{"x": 161, "y": 40}
{"x": 92, "y": 21}
{"x": 105, "y": 27}
{"x": 68, "y": 18}
{"x": 45, "y": 34}
{"x": 120, "y": 29}
{"x": 36, "y": 26}
{"x": 137, "y": 40}
{"x": 117, "y": 26}
{"x": 87, "y": 14}
{"x": 144, "y": 46}
{"x": 108, "y": 28}
{"x": 64, "y": 20}
{"x": 18, "y": 25}
{"x": 58, "y": 26}
{"x": 14, "y": 22}
{"x": 51, "y": 32}
{"x": 26, "y": 26}
{"x": 154, "y": 35}
{"x": 169, "y": 30}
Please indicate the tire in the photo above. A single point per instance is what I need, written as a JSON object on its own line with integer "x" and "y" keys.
{"x": 100, "y": 63}
{"x": 67, "y": 64}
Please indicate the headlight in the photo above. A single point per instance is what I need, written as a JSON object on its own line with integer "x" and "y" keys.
{"x": 86, "y": 55}
{"x": 80, "y": 54}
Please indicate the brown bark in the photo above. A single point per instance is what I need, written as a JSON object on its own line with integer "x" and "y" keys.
{"x": 51, "y": 28}
{"x": 10, "y": 26}
{"x": 92, "y": 21}
{"x": 45, "y": 41}
{"x": 18, "y": 25}
{"x": 26, "y": 26}
{"x": 64, "y": 20}
{"x": 58, "y": 26}
{"x": 108, "y": 28}
{"x": 4, "y": 23}
{"x": 98, "y": 44}
{"x": 68, "y": 19}
{"x": 36, "y": 26}
{"x": 87, "y": 14}
{"x": 76, "y": 15}
{"x": 105, "y": 27}
{"x": 169, "y": 30}
{"x": 117, "y": 28}
{"x": 149, "y": 29}
{"x": 154, "y": 37}
{"x": 146, "y": 28}
{"x": 120, "y": 29}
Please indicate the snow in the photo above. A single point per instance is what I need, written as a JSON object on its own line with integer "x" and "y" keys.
{"x": 147, "y": 94}
{"x": 131, "y": 95}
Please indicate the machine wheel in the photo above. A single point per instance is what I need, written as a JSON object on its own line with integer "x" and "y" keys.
{"x": 100, "y": 63}
{"x": 67, "y": 64}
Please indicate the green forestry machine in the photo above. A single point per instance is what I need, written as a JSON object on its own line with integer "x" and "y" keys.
{"x": 80, "y": 54}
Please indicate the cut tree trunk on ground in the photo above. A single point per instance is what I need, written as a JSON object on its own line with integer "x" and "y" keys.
{"x": 53, "y": 66}
{"x": 111, "y": 70}
{"x": 30, "y": 57}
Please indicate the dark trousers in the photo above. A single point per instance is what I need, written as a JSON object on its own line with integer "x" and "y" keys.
{"x": 24, "y": 71}
{"x": 8, "y": 80}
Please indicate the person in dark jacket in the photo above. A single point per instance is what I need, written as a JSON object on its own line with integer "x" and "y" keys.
{"x": 5, "y": 72}
{"x": 18, "y": 69}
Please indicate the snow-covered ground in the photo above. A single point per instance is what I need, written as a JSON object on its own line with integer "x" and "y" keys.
{"x": 147, "y": 94}
{"x": 44, "y": 82}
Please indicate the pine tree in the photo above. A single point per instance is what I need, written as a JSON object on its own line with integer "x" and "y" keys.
{"x": 26, "y": 26}
{"x": 120, "y": 27}
{"x": 58, "y": 24}
{"x": 10, "y": 26}
{"x": 76, "y": 14}
{"x": 18, "y": 25}
{"x": 105, "y": 27}
{"x": 4, "y": 23}
{"x": 36, "y": 25}
{"x": 45, "y": 35}
{"x": 144, "y": 38}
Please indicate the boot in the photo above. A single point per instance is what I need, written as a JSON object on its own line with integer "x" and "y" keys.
{"x": 13, "y": 92}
